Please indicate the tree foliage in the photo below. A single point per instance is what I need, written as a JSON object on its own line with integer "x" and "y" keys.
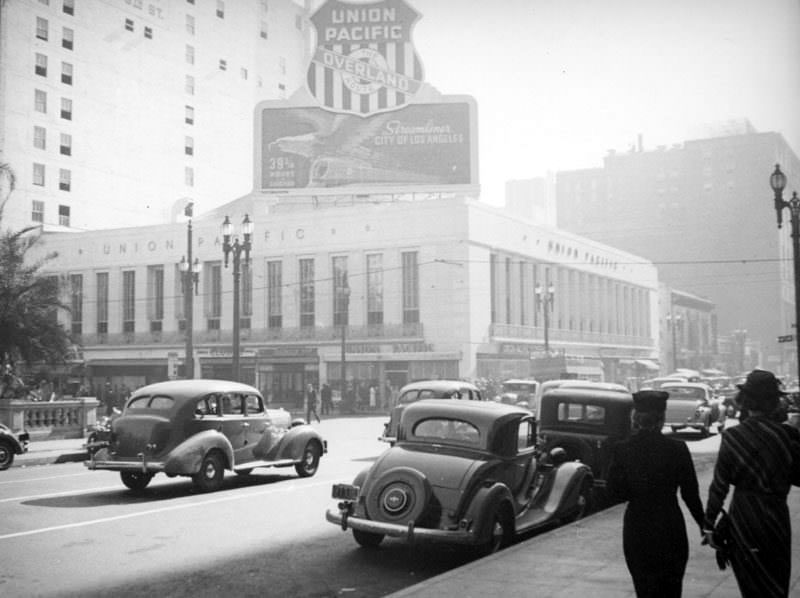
{"x": 29, "y": 301}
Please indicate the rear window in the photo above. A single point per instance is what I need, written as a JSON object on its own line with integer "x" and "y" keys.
{"x": 449, "y": 430}
{"x": 686, "y": 393}
{"x": 581, "y": 413}
{"x": 159, "y": 402}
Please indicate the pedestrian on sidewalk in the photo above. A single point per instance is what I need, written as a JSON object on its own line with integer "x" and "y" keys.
{"x": 761, "y": 458}
{"x": 311, "y": 403}
{"x": 326, "y": 397}
{"x": 647, "y": 470}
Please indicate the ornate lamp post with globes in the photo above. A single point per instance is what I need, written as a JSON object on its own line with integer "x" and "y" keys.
{"x": 236, "y": 248}
{"x": 544, "y": 301}
{"x": 777, "y": 181}
{"x": 190, "y": 276}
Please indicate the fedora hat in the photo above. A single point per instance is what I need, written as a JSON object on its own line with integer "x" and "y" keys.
{"x": 761, "y": 383}
{"x": 650, "y": 401}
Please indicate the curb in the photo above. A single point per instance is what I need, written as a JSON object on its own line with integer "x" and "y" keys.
{"x": 67, "y": 457}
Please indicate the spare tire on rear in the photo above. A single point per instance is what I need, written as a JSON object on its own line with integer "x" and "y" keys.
{"x": 399, "y": 495}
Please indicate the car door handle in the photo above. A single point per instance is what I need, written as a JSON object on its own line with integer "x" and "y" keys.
{"x": 245, "y": 425}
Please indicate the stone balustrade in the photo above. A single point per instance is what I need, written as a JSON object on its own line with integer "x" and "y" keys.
{"x": 50, "y": 420}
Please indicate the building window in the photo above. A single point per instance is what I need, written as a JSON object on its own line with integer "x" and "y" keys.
{"x": 274, "y": 290}
{"x": 76, "y": 302}
{"x": 190, "y": 24}
{"x": 213, "y": 284}
{"x": 40, "y": 101}
{"x": 102, "y": 302}
{"x": 41, "y": 28}
{"x": 148, "y": 32}
{"x": 38, "y": 174}
{"x": 41, "y": 65}
{"x": 223, "y": 65}
{"x": 66, "y": 73}
{"x": 63, "y": 215}
{"x": 64, "y": 179}
{"x": 410, "y": 287}
{"x": 189, "y": 54}
{"x": 340, "y": 300}
{"x": 66, "y": 144}
{"x": 66, "y": 108}
{"x": 37, "y": 210}
{"x": 220, "y": 9}
{"x": 189, "y": 86}
{"x": 375, "y": 288}
{"x": 67, "y": 38}
{"x": 129, "y": 301}
{"x": 39, "y": 137}
{"x": 188, "y": 117}
{"x": 188, "y": 146}
{"x": 188, "y": 176}
{"x": 69, "y": 7}
{"x": 307, "y": 293}
{"x": 128, "y": 24}
{"x": 264, "y": 34}
{"x": 155, "y": 293}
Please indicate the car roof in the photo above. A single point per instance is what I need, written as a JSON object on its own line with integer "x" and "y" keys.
{"x": 520, "y": 381}
{"x": 592, "y": 385}
{"x": 702, "y": 385}
{"x": 193, "y": 388}
{"x": 438, "y": 385}
{"x": 589, "y": 395}
{"x": 475, "y": 411}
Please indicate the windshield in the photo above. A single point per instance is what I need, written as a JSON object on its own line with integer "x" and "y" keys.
{"x": 686, "y": 393}
{"x": 518, "y": 387}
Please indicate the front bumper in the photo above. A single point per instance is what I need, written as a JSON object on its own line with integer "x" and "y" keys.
{"x": 24, "y": 440}
{"x": 409, "y": 533}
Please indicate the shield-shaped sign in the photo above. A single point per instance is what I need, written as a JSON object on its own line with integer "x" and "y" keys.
{"x": 364, "y": 62}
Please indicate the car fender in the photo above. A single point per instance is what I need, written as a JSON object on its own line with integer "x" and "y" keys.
{"x": 9, "y": 437}
{"x": 188, "y": 455}
{"x": 292, "y": 444}
{"x": 568, "y": 479}
{"x": 485, "y": 499}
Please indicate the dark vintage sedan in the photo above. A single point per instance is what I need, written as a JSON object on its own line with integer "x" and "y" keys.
{"x": 200, "y": 428}
{"x": 462, "y": 472}
{"x": 586, "y": 423}
{"x": 427, "y": 389}
{"x": 11, "y": 444}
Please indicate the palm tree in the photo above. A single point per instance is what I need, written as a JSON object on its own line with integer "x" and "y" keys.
{"x": 29, "y": 301}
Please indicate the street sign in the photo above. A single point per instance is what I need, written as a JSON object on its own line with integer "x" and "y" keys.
{"x": 786, "y": 338}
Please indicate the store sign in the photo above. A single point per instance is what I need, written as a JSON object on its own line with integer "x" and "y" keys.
{"x": 364, "y": 61}
{"x": 422, "y": 144}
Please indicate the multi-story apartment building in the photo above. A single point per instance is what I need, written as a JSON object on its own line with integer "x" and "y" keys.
{"x": 703, "y": 212}
{"x": 111, "y": 111}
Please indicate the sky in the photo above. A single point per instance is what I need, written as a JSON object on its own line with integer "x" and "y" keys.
{"x": 560, "y": 82}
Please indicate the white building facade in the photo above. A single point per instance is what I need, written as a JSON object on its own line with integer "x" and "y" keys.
{"x": 111, "y": 111}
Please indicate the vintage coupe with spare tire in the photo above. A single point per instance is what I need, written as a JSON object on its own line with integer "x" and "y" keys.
{"x": 462, "y": 472}
{"x": 200, "y": 428}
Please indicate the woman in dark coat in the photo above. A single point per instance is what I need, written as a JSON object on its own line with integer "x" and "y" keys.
{"x": 647, "y": 470}
{"x": 761, "y": 458}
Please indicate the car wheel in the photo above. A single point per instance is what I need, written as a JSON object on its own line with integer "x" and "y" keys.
{"x": 6, "y": 455}
{"x": 501, "y": 532}
{"x": 135, "y": 480}
{"x": 367, "y": 539}
{"x": 209, "y": 478}
{"x": 310, "y": 462}
{"x": 398, "y": 495}
{"x": 584, "y": 502}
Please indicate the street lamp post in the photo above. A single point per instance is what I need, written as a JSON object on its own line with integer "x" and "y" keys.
{"x": 674, "y": 321}
{"x": 544, "y": 301}
{"x": 236, "y": 248}
{"x": 345, "y": 290}
{"x": 190, "y": 276}
{"x": 777, "y": 181}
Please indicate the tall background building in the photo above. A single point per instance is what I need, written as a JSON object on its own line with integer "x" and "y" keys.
{"x": 703, "y": 212}
{"x": 112, "y": 112}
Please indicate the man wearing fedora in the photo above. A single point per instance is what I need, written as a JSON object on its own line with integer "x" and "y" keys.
{"x": 648, "y": 470}
{"x": 760, "y": 458}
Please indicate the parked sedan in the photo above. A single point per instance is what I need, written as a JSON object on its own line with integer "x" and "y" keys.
{"x": 693, "y": 405}
{"x": 11, "y": 444}
{"x": 462, "y": 472}
{"x": 427, "y": 389}
{"x": 200, "y": 428}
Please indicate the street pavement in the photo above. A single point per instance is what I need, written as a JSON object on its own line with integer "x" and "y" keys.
{"x": 583, "y": 558}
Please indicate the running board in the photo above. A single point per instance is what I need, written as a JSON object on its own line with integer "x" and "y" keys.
{"x": 254, "y": 464}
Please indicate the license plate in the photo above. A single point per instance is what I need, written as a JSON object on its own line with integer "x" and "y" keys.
{"x": 345, "y": 491}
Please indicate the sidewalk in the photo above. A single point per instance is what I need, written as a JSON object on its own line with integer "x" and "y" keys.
{"x": 585, "y": 558}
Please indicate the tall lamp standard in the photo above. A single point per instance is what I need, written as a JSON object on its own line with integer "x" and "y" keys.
{"x": 674, "y": 320}
{"x": 777, "y": 181}
{"x": 544, "y": 301}
{"x": 190, "y": 276}
{"x": 345, "y": 297}
{"x": 236, "y": 249}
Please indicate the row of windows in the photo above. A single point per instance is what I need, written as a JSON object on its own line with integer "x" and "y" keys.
{"x": 67, "y": 6}
{"x": 64, "y": 177}
{"x": 40, "y": 69}
{"x": 212, "y": 296}
{"x": 40, "y": 104}
{"x": 40, "y": 141}
{"x": 37, "y": 213}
